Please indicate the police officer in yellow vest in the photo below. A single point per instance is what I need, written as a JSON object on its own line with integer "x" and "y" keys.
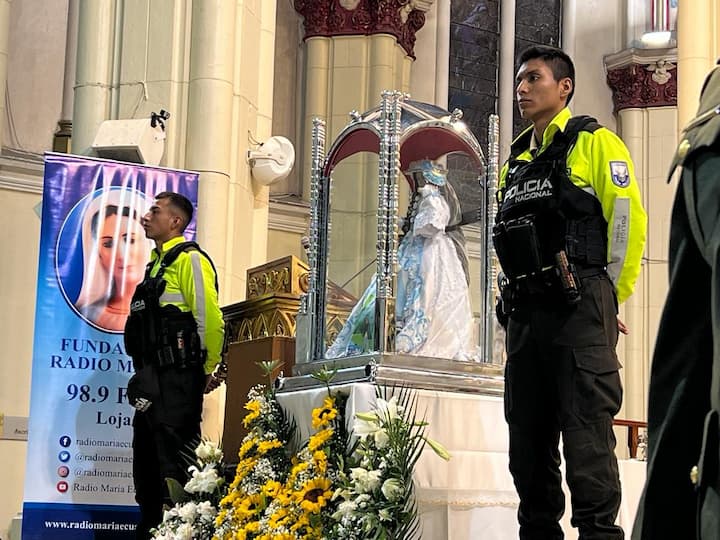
{"x": 682, "y": 490}
{"x": 174, "y": 334}
{"x": 569, "y": 235}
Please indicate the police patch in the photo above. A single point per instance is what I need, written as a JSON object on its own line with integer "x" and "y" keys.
{"x": 620, "y": 173}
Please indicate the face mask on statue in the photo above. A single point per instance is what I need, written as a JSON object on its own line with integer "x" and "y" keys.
{"x": 427, "y": 172}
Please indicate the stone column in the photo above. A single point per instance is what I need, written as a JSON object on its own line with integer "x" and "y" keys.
{"x": 91, "y": 105}
{"x": 355, "y": 49}
{"x": 506, "y": 76}
{"x": 62, "y": 138}
{"x": 697, "y": 50}
{"x": 210, "y": 120}
{"x": 644, "y": 85}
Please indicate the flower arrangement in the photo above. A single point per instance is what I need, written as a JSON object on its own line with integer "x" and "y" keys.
{"x": 339, "y": 484}
{"x": 283, "y": 493}
{"x": 193, "y": 516}
{"x": 376, "y": 498}
{"x": 264, "y": 456}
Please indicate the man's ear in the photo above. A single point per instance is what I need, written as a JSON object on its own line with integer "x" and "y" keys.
{"x": 566, "y": 86}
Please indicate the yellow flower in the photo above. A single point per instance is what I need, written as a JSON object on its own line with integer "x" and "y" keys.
{"x": 314, "y": 495}
{"x": 279, "y": 518}
{"x": 320, "y": 460}
{"x": 253, "y": 527}
{"x": 301, "y": 522}
{"x": 265, "y": 446}
{"x": 271, "y": 488}
{"x": 297, "y": 469}
{"x": 319, "y": 439}
{"x": 249, "y": 507}
{"x": 246, "y": 447}
{"x": 254, "y": 408}
{"x": 323, "y": 415}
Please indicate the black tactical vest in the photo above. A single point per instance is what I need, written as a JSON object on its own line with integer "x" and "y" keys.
{"x": 541, "y": 212}
{"x": 161, "y": 335}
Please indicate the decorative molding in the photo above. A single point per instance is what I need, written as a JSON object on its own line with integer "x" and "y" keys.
{"x": 641, "y": 78}
{"x": 399, "y": 18}
{"x": 289, "y": 217}
{"x": 21, "y": 171}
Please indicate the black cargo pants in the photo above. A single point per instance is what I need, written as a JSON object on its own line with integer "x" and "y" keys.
{"x": 683, "y": 429}
{"x": 562, "y": 378}
{"x": 161, "y": 436}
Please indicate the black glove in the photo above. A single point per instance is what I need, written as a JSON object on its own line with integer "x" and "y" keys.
{"x": 142, "y": 388}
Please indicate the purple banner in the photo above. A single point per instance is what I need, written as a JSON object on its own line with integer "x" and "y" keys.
{"x": 93, "y": 252}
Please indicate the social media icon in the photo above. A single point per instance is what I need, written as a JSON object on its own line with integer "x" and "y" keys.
{"x": 64, "y": 456}
{"x": 65, "y": 441}
{"x": 63, "y": 471}
{"x": 62, "y": 486}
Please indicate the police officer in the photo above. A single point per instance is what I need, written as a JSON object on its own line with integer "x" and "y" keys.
{"x": 681, "y": 498}
{"x": 175, "y": 335}
{"x": 569, "y": 236}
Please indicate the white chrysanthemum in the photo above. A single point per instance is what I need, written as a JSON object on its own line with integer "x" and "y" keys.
{"x": 381, "y": 438}
{"x": 187, "y": 512}
{"x": 392, "y": 489}
{"x": 185, "y": 532}
{"x": 346, "y": 509}
{"x": 206, "y": 511}
{"x": 365, "y": 481}
{"x": 208, "y": 452}
{"x": 205, "y": 481}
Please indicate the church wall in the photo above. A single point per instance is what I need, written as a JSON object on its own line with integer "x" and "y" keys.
{"x": 18, "y": 268}
{"x": 34, "y": 62}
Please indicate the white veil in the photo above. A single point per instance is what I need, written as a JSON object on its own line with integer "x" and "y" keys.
{"x": 97, "y": 285}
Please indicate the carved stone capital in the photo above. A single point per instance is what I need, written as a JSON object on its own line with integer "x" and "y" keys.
{"x": 399, "y": 18}
{"x": 641, "y": 78}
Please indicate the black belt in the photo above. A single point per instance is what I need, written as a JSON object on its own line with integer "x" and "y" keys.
{"x": 546, "y": 285}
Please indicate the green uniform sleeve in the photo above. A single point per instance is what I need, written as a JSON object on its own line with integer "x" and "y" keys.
{"x": 613, "y": 180}
{"x": 197, "y": 283}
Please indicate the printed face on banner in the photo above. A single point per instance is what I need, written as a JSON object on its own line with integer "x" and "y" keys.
{"x": 98, "y": 282}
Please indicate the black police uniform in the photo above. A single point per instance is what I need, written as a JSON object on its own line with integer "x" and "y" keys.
{"x": 562, "y": 371}
{"x": 679, "y": 502}
{"x": 167, "y": 391}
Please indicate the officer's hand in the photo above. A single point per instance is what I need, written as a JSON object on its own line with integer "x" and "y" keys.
{"x": 622, "y": 328}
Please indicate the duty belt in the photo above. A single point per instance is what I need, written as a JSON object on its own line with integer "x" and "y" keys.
{"x": 543, "y": 286}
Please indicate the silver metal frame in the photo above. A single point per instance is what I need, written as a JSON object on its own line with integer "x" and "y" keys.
{"x": 385, "y": 365}
{"x": 490, "y": 264}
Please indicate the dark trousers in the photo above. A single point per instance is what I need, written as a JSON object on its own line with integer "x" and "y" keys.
{"x": 162, "y": 436}
{"x": 562, "y": 378}
{"x": 685, "y": 375}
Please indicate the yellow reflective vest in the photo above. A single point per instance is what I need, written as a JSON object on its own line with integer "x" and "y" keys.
{"x": 600, "y": 163}
{"x": 190, "y": 285}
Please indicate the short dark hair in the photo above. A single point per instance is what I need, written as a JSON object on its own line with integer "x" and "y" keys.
{"x": 557, "y": 60}
{"x": 181, "y": 203}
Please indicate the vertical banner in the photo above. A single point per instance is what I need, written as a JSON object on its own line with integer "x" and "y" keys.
{"x": 93, "y": 252}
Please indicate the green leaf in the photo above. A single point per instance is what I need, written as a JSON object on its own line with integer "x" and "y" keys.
{"x": 177, "y": 494}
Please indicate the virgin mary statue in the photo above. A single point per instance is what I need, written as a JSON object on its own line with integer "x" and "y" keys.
{"x": 432, "y": 311}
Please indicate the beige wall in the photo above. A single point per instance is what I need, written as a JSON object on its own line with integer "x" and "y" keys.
{"x": 20, "y": 196}
{"x": 651, "y": 137}
{"x": 36, "y": 58}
